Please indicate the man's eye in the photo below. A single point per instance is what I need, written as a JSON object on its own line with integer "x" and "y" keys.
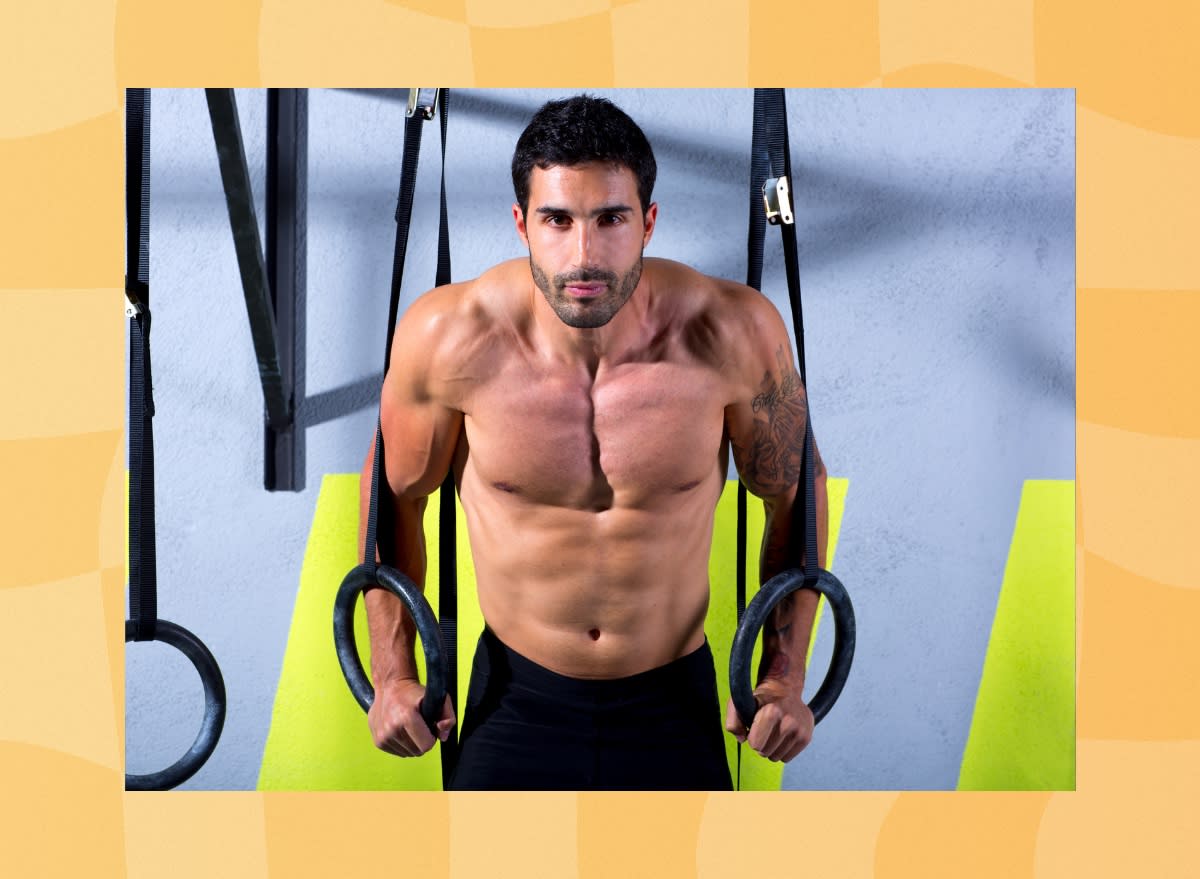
{"x": 557, "y": 219}
{"x": 611, "y": 219}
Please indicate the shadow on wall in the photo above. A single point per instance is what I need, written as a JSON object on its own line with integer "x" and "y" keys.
{"x": 872, "y": 211}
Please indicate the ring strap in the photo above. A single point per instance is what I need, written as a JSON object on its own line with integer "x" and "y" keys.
{"x": 239, "y": 202}
{"x": 447, "y": 525}
{"x": 143, "y": 623}
{"x": 773, "y": 149}
{"x": 143, "y": 589}
{"x": 770, "y": 157}
{"x": 379, "y": 531}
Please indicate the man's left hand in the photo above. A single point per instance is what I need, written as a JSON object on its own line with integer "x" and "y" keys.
{"x": 783, "y": 726}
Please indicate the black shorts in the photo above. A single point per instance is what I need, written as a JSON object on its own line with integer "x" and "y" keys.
{"x": 528, "y": 728}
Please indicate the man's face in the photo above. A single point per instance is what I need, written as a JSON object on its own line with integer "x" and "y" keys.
{"x": 585, "y": 231}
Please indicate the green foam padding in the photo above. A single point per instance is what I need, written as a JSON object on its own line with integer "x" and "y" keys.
{"x": 319, "y": 739}
{"x": 1023, "y": 732}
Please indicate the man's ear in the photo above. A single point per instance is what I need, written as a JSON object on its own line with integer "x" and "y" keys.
{"x": 519, "y": 221}
{"x": 650, "y": 220}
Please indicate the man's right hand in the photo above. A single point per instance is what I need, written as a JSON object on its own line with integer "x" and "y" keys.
{"x": 396, "y": 722}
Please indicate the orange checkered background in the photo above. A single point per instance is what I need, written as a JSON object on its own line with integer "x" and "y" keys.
{"x": 63, "y": 65}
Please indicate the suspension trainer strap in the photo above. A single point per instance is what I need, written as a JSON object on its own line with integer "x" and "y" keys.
{"x": 771, "y": 175}
{"x": 143, "y": 590}
{"x": 404, "y": 203}
{"x": 772, "y": 165}
{"x": 771, "y": 186}
{"x": 379, "y": 531}
{"x": 239, "y": 201}
{"x": 771, "y": 131}
{"x": 447, "y": 530}
{"x": 413, "y": 126}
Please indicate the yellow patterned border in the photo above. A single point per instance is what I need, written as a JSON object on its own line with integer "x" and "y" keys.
{"x": 62, "y": 808}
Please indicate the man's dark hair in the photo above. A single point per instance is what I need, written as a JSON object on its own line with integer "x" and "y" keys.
{"x": 582, "y": 129}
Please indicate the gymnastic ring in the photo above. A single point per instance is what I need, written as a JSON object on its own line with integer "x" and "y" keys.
{"x": 771, "y": 593}
{"x": 214, "y": 708}
{"x": 359, "y": 580}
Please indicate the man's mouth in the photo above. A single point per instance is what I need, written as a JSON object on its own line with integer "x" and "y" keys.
{"x": 584, "y": 289}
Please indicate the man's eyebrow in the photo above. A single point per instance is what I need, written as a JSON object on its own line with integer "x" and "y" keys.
{"x": 548, "y": 210}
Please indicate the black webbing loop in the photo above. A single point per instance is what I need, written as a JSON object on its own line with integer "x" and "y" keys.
{"x": 771, "y": 129}
{"x": 239, "y": 201}
{"x": 413, "y": 126}
{"x": 447, "y": 514}
{"x": 372, "y": 553}
{"x": 378, "y": 530}
{"x": 143, "y": 588}
{"x": 143, "y": 623}
{"x": 770, "y": 158}
{"x": 404, "y": 203}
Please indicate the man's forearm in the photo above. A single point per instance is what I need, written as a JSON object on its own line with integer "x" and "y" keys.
{"x": 787, "y": 631}
{"x": 788, "y": 627}
{"x": 391, "y": 628}
{"x": 786, "y": 635}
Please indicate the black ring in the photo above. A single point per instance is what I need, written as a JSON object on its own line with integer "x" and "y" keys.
{"x": 365, "y": 577}
{"x": 752, "y": 622}
{"x": 214, "y": 708}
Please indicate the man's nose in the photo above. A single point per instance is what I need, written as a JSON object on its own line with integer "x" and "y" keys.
{"x": 583, "y": 243}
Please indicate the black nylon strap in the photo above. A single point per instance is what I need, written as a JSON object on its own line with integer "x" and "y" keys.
{"x": 379, "y": 530}
{"x": 447, "y": 525}
{"x": 811, "y": 562}
{"x": 770, "y": 156}
{"x": 239, "y": 201}
{"x": 143, "y": 580}
{"x": 404, "y": 203}
{"x": 371, "y": 547}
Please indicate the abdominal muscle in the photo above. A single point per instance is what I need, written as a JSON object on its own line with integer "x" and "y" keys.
{"x": 593, "y": 594}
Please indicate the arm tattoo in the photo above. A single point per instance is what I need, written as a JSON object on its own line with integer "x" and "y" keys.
{"x": 771, "y": 462}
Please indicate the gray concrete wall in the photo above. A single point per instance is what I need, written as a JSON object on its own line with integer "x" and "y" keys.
{"x": 937, "y": 260}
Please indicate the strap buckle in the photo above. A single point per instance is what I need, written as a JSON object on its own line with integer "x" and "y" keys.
{"x": 423, "y": 101}
{"x": 135, "y": 297}
{"x": 777, "y": 201}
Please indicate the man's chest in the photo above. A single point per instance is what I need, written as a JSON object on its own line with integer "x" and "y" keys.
{"x": 635, "y": 431}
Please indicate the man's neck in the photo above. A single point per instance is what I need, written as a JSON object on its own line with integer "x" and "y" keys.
{"x": 590, "y": 348}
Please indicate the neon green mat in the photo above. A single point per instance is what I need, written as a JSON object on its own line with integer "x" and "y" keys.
{"x": 319, "y": 739}
{"x": 1023, "y": 733}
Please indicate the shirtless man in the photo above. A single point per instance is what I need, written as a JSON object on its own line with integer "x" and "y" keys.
{"x": 587, "y": 401}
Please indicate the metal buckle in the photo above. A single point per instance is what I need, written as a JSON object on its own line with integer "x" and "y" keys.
{"x": 423, "y": 101}
{"x": 135, "y": 301}
{"x": 777, "y": 201}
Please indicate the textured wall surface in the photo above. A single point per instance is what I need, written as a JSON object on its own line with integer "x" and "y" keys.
{"x": 937, "y": 261}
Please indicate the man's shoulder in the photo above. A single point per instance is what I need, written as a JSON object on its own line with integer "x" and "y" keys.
{"x": 468, "y": 306}
{"x": 728, "y": 323}
{"x": 447, "y": 328}
{"x": 726, "y": 302}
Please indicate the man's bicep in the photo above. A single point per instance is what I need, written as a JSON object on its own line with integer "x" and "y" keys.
{"x": 420, "y": 428}
{"x": 420, "y": 435}
{"x": 767, "y": 426}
